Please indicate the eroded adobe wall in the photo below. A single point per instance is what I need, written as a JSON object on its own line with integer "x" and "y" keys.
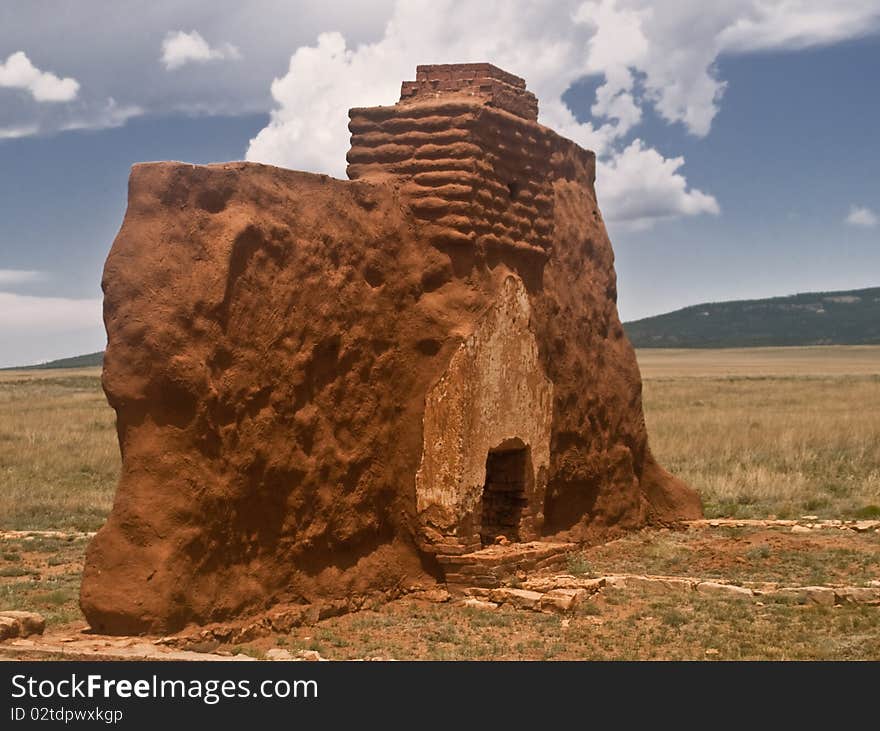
{"x": 271, "y": 339}
{"x": 278, "y": 343}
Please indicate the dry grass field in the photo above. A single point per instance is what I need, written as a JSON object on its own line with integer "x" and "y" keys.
{"x": 59, "y": 460}
{"x": 769, "y": 431}
{"x": 760, "y": 433}
{"x": 795, "y": 362}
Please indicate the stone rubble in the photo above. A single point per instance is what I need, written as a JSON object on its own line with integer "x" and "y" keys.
{"x": 731, "y": 590}
{"x": 15, "y": 623}
{"x": 473, "y": 603}
{"x": 562, "y": 600}
{"x": 309, "y": 656}
{"x": 821, "y": 595}
{"x": 106, "y": 648}
{"x": 491, "y": 566}
{"x": 517, "y": 598}
{"x": 8, "y": 628}
{"x": 32, "y": 535}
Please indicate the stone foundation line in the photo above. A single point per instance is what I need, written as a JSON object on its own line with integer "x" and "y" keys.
{"x": 564, "y": 593}
{"x": 13, "y": 535}
{"x": 802, "y": 525}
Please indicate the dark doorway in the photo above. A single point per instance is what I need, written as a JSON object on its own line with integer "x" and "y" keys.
{"x": 504, "y": 495}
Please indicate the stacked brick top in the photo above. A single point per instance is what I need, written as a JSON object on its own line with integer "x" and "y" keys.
{"x": 476, "y": 168}
{"x": 498, "y": 88}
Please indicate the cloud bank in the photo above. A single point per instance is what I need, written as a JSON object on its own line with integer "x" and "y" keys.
{"x": 36, "y": 329}
{"x": 660, "y": 55}
{"x": 18, "y": 72}
{"x": 22, "y": 313}
{"x": 20, "y": 276}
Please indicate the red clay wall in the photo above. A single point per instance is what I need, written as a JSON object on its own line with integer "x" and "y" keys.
{"x": 273, "y": 336}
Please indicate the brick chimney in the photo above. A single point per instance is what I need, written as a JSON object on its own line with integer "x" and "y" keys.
{"x": 474, "y": 165}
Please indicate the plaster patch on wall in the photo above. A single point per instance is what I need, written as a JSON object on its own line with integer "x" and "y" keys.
{"x": 493, "y": 393}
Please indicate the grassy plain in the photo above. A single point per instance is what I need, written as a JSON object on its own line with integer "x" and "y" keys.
{"x": 42, "y": 574}
{"x": 769, "y": 431}
{"x": 59, "y": 460}
{"x": 760, "y": 433}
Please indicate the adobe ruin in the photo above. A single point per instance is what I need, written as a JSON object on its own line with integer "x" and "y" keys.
{"x": 325, "y": 389}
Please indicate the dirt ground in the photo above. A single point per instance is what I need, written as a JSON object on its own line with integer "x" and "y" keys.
{"x": 619, "y": 622}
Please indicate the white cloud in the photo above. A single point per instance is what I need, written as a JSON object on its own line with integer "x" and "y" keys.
{"x": 551, "y": 44}
{"x": 20, "y": 276}
{"x": 116, "y": 54}
{"x": 93, "y": 116}
{"x": 17, "y": 72}
{"x": 180, "y": 48}
{"x": 641, "y": 187}
{"x": 799, "y": 23}
{"x": 861, "y": 216}
{"x": 107, "y": 117}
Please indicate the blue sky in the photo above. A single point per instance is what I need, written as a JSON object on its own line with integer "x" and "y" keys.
{"x": 774, "y": 118}
{"x": 793, "y": 148}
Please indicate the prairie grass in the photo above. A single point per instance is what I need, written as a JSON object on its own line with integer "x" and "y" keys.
{"x": 783, "y": 446}
{"x": 763, "y": 432}
{"x": 815, "y": 360}
{"x": 59, "y": 460}
{"x": 758, "y": 432}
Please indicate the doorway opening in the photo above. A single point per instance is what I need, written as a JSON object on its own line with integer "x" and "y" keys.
{"x": 504, "y": 495}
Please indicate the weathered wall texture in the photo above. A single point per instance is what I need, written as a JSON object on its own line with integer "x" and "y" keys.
{"x": 493, "y": 393}
{"x": 281, "y": 346}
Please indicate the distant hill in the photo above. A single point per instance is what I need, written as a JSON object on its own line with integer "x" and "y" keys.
{"x": 77, "y": 361}
{"x": 815, "y": 318}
